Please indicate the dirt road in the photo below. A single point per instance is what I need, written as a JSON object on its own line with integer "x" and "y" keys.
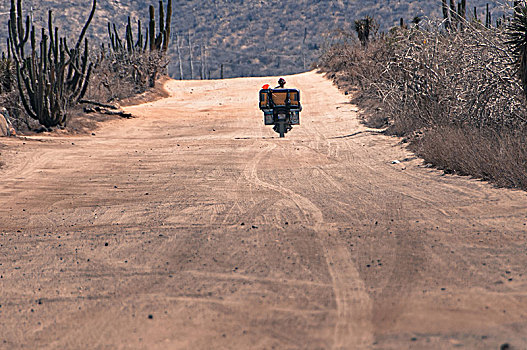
{"x": 193, "y": 227}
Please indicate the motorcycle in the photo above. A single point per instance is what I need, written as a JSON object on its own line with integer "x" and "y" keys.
{"x": 281, "y": 108}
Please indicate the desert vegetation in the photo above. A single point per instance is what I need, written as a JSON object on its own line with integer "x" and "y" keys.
{"x": 454, "y": 89}
{"x": 133, "y": 60}
{"x": 45, "y": 77}
{"x": 50, "y": 76}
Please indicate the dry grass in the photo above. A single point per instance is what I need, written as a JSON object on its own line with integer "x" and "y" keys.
{"x": 457, "y": 91}
{"x": 481, "y": 153}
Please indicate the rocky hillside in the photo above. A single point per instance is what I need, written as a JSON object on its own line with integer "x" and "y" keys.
{"x": 247, "y": 37}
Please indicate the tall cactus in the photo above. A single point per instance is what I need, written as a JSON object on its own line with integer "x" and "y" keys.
{"x": 51, "y": 76}
{"x": 488, "y": 18}
{"x": 364, "y": 27}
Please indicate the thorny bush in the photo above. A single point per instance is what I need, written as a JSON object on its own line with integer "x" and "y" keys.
{"x": 448, "y": 92}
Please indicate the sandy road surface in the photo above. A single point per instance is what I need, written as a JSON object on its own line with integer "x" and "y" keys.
{"x": 193, "y": 227}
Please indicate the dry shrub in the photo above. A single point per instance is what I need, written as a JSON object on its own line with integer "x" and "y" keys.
{"x": 464, "y": 78}
{"x": 458, "y": 90}
{"x": 119, "y": 75}
{"x": 350, "y": 63}
{"x": 9, "y": 95}
{"x": 358, "y": 69}
{"x": 482, "y": 153}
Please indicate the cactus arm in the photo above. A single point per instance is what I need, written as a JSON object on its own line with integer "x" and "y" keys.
{"x": 161, "y": 17}
{"x": 25, "y": 102}
{"x": 118, "y": 41}
{"x": 81, "y": 76}
{"x": 85, "y": 57}
{"x": 13, "y": 47}
{"x": 111, "y": 36}
{"x": 50, "y": 30}
{"x": 86, "y": 25}
{"x": 56, "y": 44}
{"x": 168, "y": 25}
{"x": 139, "y": 42}
{"x": 147, "y": 39}
{"x": 20, "y": 30}
{"x": 152, "y": 28}
{"x": 158, "y": 42}
{"x": 44, "y": 51}
{"x": 13, "y": 40}
{"x": 129, "y": 37}
{"x": 28, "y": 25}
{"x": 86, "y": 83}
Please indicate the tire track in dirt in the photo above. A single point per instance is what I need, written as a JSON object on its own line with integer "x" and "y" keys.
{"x": 353, "y": 324}
{"x": 390, "y": 303}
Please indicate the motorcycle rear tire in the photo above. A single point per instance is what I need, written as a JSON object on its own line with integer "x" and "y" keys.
{"x": 281, "y": 129}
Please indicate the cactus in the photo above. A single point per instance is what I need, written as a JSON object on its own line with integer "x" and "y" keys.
{"x": 160, "y": 41}
{"x": 6, "y": 74}
{"x": 129, "y": 45}
{"x": 151, "y": 41}
{"x": 488, "y": 18}
{"x": 168, "y": 23}
{"x": 416, "y": 20}
{"x": 462, "y": 13}
{"x": 453, "y": 14}
{"x": 129, "y": 39}
{"x": 139, "y": 42}
{"x": 446, "y": 15}
{"x": 364, "y": 27}
{"x": 51, "y": 77}
{"x": 152, "y": 27}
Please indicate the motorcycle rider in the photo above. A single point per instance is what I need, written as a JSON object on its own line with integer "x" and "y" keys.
{"x": 281, "y": 83}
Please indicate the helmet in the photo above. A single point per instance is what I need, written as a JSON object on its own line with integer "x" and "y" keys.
{"x": 281, "y": 81}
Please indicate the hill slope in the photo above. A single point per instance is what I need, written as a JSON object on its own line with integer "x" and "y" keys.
{"x": 249, "y": 37}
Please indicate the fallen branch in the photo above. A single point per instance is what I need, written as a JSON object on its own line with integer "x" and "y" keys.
{"x": 97, "y": 109}
{"x": 99, "y": 104}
